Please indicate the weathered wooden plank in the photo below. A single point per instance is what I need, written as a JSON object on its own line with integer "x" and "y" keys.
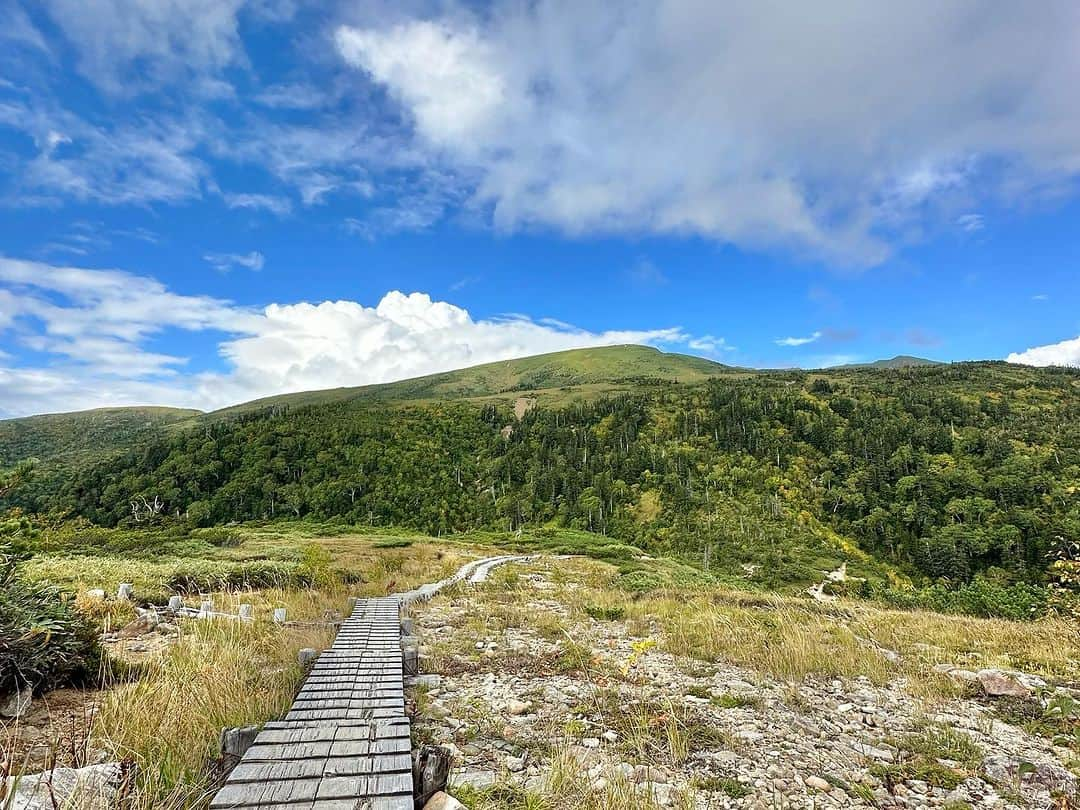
{"x": 344, "y": 743}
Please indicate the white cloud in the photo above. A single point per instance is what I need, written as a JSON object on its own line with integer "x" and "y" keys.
{"x": 710, "y": 344}
{"x": 98, "y": 328}
{"x": 679, "y": 117}
{"x": 798, "y": 341}
{"x": 446, "y": 76}
{"x": 146, "y": 161}
{"x": 971, "y": 222}
{"x": 264, "y": 202}
{"x": 126, "y": 46}
{"x": 1040, "y": 297}
{"x": 1065, "y": 353}
{"x": 224, "y": 262}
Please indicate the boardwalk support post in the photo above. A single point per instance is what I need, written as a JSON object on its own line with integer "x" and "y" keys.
{"x": 431, "y": 770}
{"x": 306, "y": 657}
{"x": 279, "y": 615}
{"x": 234, "y": 744}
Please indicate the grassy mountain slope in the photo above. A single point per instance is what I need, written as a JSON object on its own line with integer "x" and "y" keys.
{"x": 900, "y": 361}
{"x": 58, "y": 437}
{"x": 74, "y": 436}
{"x": 552, "y": 377}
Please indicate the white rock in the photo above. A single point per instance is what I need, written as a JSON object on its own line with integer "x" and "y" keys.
{"x": 518, "y": 707}
{"x": 817, "y": 783}
{"x": 443, "y": 801}
{"x": 91, "y": 788}
{"x": 1001, "y": 684}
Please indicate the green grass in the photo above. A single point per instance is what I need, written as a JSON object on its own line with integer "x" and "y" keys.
{"x": 586, "y": 371}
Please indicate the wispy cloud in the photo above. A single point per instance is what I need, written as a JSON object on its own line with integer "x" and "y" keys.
{"x": 971, "y": 222}
{"x": 224, "y": 262}
{"x": 273, "y": 203}
{"x": 710, "y": 344}
{"x": 798, "y": 341}
{"x": 645, "y": 273}
{"x": 464, "y": 282}
{"x": 1040, "y": 297}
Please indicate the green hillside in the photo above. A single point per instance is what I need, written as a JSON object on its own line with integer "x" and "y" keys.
{"x": 551, "y": 377}
{"x": 83, "y": 434}
{"x": 900, "y": 361}
{"x": 944, "y": 473}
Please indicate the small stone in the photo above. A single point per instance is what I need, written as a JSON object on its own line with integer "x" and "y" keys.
{"x": 518, "y": 707}
{"x": 1001, "y": 684}
{"x": 817, "y": 783}
{"x": 17, "y": 705}
{"x": 591, "y": 742}
{"x": 443, "y": 801}
{"x": 515, "y": 764}
{"x": 610, "y": 736}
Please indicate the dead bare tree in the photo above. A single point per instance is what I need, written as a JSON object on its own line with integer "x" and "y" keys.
{"x": 142, "y": 509}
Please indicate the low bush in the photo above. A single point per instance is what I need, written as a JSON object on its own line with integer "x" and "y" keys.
{"x": 44, "y": 641}
{"x": 980, "y": 597}
{"x": 639, "y": 581}
{"x": 606, "y": 613}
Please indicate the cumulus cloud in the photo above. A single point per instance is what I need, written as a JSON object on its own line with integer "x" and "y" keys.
{"x": 1065, "y": 353}
{"x": 224, "y": 262}
{"x": 97, "y": 329}
{"x": 739, "y": 121}
{"x": 798, "y": 341}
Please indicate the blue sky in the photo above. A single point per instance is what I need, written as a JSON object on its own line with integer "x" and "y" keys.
{"x": 205, "y": 201}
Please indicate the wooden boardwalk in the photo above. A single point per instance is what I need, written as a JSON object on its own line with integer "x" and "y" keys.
{"x": 344, "y": 745}
{"x": 345, "y": 742}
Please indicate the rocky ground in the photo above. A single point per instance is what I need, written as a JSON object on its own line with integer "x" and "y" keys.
{"x": 521, "y": 705}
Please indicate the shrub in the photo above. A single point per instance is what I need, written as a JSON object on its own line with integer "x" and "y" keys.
{"x": 605, "y": 613}
{"x": 44, "y": 642}
{"x": 639, "y": 581}
{"x": 980, "y": 597}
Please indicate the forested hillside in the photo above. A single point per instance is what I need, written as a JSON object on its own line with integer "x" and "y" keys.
{"x": 941, "y": 471}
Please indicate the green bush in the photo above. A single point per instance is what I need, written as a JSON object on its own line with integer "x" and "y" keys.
{"x": 640, "y": 581}
{"x": 980, "y": 597}
{"x": 606, "y": 613}
{"x": 44, "y": 642}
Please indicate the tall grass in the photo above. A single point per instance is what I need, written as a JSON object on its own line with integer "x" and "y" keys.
{"x": 220, "y": 674}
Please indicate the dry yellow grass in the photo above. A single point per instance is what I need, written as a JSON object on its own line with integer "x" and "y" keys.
{"x": 220, "y": 674}
{"x": 791, "y": 638}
